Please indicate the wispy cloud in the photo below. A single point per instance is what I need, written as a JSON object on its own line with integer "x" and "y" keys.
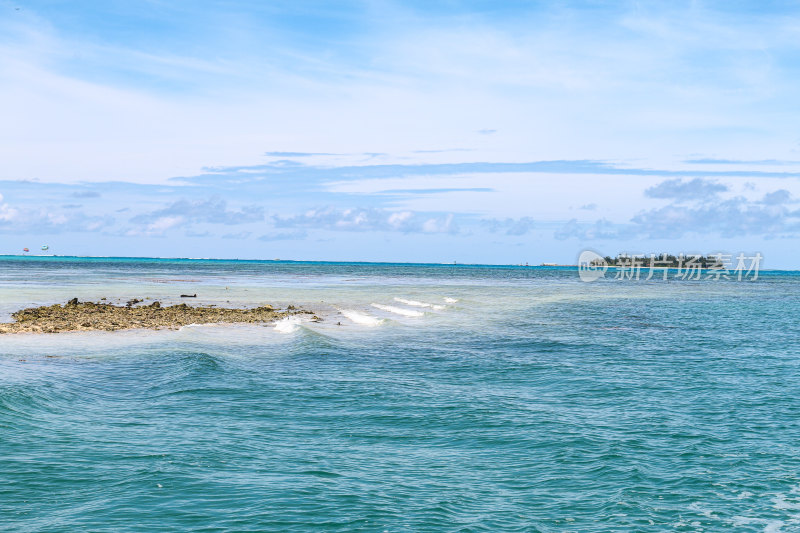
{"x": 779, "y": 197}
{"x": 689, "y": 215}
{"x": 284, "y": 236}
{"x": 728, "y": 219}
{"x": 676, "y": 189}
{"x": 436, "y": 191}
{"x": 369, "y": 219}
{"x": 510, "y": 226}
{"x": 157, "y": 226}
{"x": 85, "y": 194}
{"x": 296, "y": 154}
{"x": 213, "y": 211}
{"x": 597, "y": 230}
{"x": 306, "y": 175}
{"x": 444, "y": 151}
{"x": 755, "y": 162}
{"x": 28, "y": 220}
{"x": 184, "y": 213}
{"x": 237, "y": 235}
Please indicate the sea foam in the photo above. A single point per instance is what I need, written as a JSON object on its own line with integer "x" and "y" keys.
{"x": 398, "y": 310}
{"x": 361, "y": 318}
{"x": 290, "y": 324}
{"x": 415, "y": 303}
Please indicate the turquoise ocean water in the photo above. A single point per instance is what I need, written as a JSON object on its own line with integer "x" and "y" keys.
{"x": 519, "y": 399}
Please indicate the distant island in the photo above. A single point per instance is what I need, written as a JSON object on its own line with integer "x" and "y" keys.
{"x": 717, "y": 261}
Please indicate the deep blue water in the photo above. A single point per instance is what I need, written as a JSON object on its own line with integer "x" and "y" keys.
{"x": 535, "y": 403}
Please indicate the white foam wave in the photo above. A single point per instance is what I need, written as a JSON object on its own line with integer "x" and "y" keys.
{"x": 770, "y": 526}
{"x": 398, "y": 310}
{"x": 781, "y": 503}
{"x": 361, "y": 318}
{"x": 290, "y": 324}
{"x": 450, "y": 300}
{"x": 415, "y": 303}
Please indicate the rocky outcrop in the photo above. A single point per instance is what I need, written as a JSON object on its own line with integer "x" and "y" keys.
{"x": 88, "y": 316}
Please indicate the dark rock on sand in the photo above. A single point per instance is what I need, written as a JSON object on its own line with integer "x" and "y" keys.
{"x": 87, "y": 316}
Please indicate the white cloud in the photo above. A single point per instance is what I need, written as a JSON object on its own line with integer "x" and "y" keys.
{"x": 25, "y": 220}
{"x": 439, "y": 225}
{"x": 368, "y": 219}
{"x": 399, "y": 219}
{"x": 162, "y": 224}
{"x": 676, "y": 189}
{"x": 212, "y": 211}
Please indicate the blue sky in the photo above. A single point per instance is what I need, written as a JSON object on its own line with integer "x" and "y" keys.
{"x": 470, "y": 131}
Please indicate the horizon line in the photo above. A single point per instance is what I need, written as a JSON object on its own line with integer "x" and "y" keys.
{"x": 543, "y": 265}
{"x": 276, "y": 260}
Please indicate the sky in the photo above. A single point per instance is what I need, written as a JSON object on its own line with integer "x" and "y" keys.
{"x": 476, "y": 131}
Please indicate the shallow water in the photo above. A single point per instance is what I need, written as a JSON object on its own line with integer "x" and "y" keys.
{"x": 533, "y": 403}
